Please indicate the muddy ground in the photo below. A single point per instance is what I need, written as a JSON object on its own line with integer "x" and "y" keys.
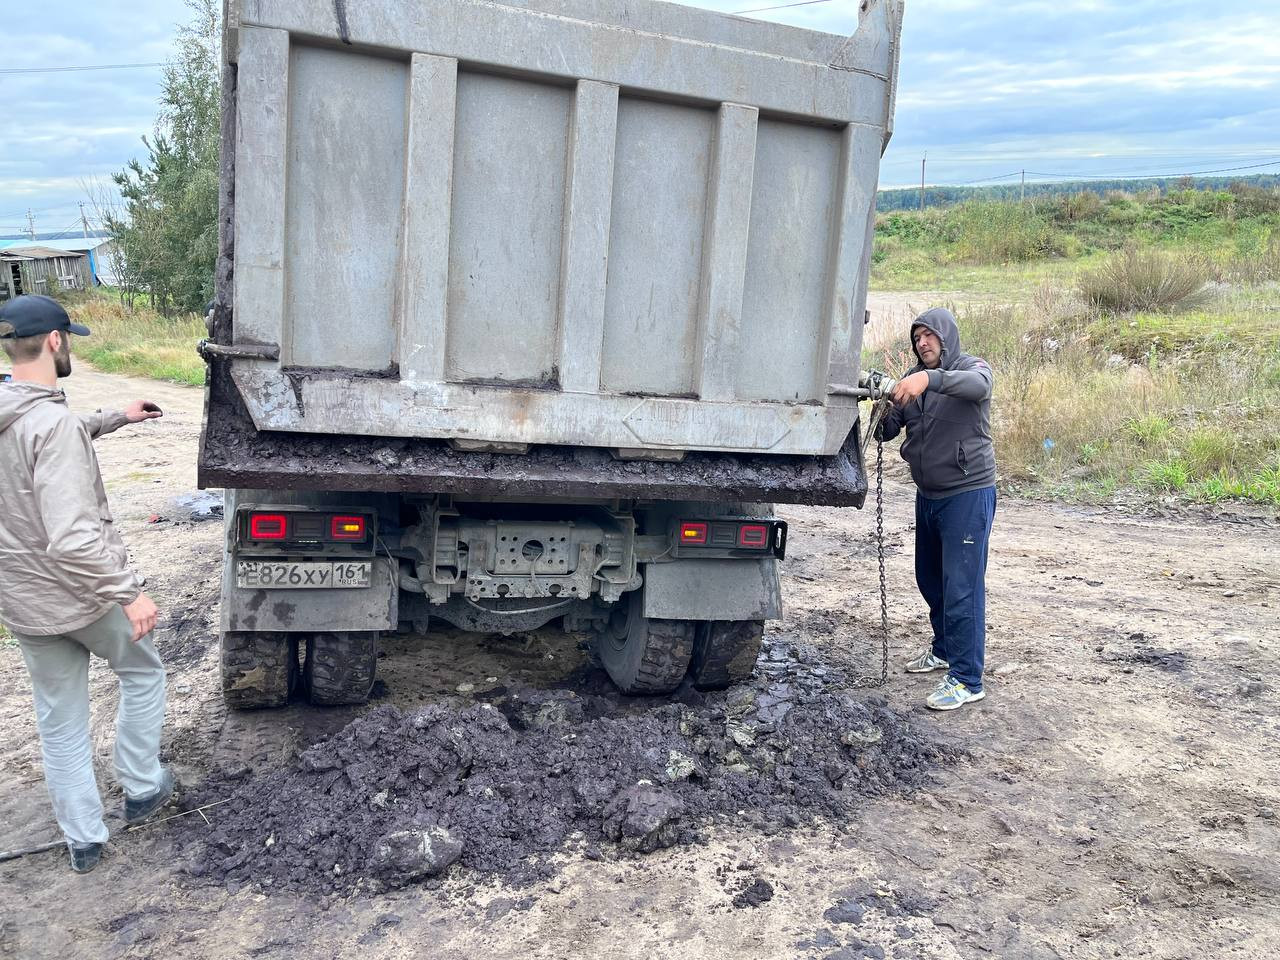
{"x": 1116, "y": 794}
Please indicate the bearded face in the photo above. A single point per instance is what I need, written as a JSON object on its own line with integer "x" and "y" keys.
{"x": 62, "y": 358}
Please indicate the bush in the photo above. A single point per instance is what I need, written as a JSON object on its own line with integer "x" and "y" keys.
{"x": 1144, "y": 280}
{"x": 1149, "y": 429}
{"x": 1001, "y": 233}
{"x": 1170, "y": 476}
{"x": 1074, "y": 207}
{"x": 1253, "y": 200}
{"x": 1262, "y": 266}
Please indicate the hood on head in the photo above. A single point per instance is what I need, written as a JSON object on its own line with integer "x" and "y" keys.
{"x": 17, "y": 398}
{"x": 942, "y": 322}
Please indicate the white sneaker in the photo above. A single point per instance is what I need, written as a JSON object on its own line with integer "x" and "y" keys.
{"x": 952, "y": 695}
{"x": 925, "y": 663}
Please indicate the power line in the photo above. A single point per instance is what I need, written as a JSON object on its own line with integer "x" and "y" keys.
{"x": 1218, "y": 155}
{"x": 781, "y": 6}
{"x": 1003, "y": 176}
{"x": 10, "y": 71}
{"x": 1140, "y": 176}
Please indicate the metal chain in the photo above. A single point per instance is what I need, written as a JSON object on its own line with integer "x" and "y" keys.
{"x": 869, "y": 681}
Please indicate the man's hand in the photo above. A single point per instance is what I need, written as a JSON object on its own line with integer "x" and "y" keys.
{"x": 141, "y": 410}
{"x": 142, "y": 614}
{"x": 909, "y": 388}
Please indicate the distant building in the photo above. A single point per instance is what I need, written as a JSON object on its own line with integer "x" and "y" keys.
{"x": 102, "y": 254}
{"x": 40, "y": 269}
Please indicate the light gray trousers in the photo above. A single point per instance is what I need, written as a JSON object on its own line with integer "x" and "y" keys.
{"x": 59, "y": 668}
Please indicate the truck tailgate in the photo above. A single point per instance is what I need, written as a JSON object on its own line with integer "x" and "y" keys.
{"x": 596, "y": 223}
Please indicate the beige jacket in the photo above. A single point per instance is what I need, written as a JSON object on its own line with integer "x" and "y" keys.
{"x": 62, "y": 563}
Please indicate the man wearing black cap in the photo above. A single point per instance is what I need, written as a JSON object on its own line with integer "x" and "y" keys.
{"x": 944, "y": 403}
{"x": 68, "y": 590}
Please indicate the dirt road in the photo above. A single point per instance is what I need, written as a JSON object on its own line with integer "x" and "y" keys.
{"x": 1117, "y": 796}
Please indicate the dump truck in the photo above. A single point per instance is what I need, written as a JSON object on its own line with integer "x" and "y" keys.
{"x": 529, "y": 311}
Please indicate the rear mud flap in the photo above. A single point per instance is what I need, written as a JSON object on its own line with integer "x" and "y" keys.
{"x": 713, "y": 590}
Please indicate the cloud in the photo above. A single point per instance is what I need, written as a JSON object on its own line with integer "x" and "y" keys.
{"x": 1070, "y": 86}
{"x": 74, "y": 126}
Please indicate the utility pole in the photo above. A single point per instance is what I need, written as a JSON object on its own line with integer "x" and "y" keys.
{"x": 922, "y": 161}
{"x": 84, "y": 221}
{"x": 31, "y": 226}
{"x": 1024, "y": 186}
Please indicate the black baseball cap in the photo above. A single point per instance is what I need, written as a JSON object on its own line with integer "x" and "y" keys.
{"x": 33, "y": 314}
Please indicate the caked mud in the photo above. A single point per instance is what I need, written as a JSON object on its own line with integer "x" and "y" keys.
{"x": 502, "y": 787}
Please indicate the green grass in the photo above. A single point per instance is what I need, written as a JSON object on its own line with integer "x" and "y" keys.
{"x": 1189, "y": 413}
{"x": 1161, "y": 387}
{"x": 998, "y": 247}
{"x": 1096, "y": 402}
{"x": 139, "y": 342}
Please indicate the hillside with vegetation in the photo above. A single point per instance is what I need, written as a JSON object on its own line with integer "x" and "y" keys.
{"x": 946, "y": 195}
{"x": 1135, "y": 336}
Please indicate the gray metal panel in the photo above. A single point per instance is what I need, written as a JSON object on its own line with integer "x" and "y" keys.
{"x": 526, "y": 253}
{"x": 433, "y": 95}
{"x": 261, "y": 149}
{"x": 345, "y": 196}
{"x": 661, "y": 166}
{"x": 724, "y": 266}
{"x": 510, "y": 153}
{"x": 585, "y": 260}
{"x": 712, "y": 67}
{"x": 383, "y": 407}
{"x": 851, "y": 257}
{"x": 713, "y": 590}
{"x": 783, "y": 313}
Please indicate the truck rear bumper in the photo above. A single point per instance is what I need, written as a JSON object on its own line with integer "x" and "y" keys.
{"x": 234, "y": 454}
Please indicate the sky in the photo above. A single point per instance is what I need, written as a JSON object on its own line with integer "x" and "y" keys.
{"x": 988, "y": 88}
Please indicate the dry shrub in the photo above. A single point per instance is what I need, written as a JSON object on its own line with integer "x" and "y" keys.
{"x": 1144, "y": 280}
{"x": 1258, "y": 268}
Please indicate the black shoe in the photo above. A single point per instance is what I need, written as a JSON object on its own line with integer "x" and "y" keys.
{"x": 135, "y": 811}
{"x": 84, "y": 859}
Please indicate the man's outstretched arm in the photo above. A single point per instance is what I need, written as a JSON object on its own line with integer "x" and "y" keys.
{"x": 101, "y": 422}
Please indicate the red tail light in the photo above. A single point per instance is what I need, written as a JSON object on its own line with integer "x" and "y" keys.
{"x": 753, "y": 535}
{"x": 347, "y": 528}
{"x": 268, "y": 526}
{"x": 693, "y": 533}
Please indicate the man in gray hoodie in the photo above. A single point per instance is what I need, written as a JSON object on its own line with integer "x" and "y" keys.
{"x": 944, "y": 403}
{"x": 67, "y": 590}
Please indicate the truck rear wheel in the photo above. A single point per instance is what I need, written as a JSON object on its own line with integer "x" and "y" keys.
{"x": 643, "y": 655}
{"x": 258, "y": 669}
{"x": 725, "y": 652}
{"x": 340, "y": 667}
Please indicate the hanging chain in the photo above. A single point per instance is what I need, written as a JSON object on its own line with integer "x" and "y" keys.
{"x": 869, "y": 681}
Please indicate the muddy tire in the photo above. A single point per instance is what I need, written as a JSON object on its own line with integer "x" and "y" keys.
{"x": 644, "y": 656}
{"x": 258, "y": 669}
{"x": 725, "y": 652}
{"x": 340, "y": 667}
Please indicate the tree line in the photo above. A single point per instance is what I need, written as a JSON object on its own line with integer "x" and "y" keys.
{"x": 908, "y": 198}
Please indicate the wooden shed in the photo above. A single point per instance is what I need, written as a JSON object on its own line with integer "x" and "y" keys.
{"x": 37, "y": 269}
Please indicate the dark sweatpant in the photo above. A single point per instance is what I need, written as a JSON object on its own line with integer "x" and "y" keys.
{"x": 951, "y": 570}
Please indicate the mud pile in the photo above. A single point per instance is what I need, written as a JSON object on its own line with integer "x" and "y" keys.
{"x": 502, "y": 786}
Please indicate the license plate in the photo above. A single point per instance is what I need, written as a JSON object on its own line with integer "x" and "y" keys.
{"x": 311, "y": 575}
